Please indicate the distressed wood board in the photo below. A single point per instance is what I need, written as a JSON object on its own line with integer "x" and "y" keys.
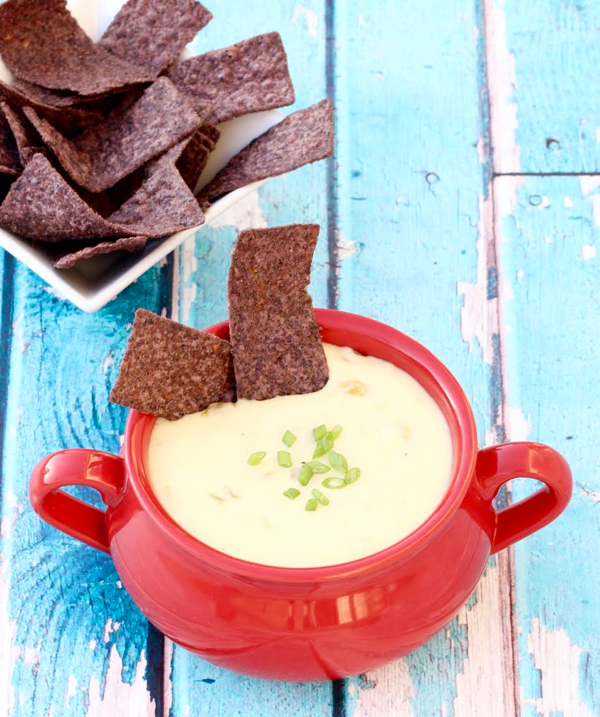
{"x": 497, "y": 275}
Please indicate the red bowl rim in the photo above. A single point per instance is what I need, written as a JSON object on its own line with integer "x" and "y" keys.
{"x": 334, "y": 323}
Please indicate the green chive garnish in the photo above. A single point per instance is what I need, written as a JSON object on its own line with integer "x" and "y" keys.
{"x": 325, "y": 444}
{"x": 318, "y": 467}
{"x": 338, "y": 461}
{"x": 352, "y": 475}
{"x": 289, "y": 439}
{"x": 311, "y": 504}
{"x": 291, "y": 493}
{"x": 334, "y": 482}
{"x": 336, "y": 431}
{"x": 305, "y": 474}
{"x": 323, "y": 499}
{"x": 284, "y": 459}
{"x": 256, "y": 458}
{"x": 319, "y": 432}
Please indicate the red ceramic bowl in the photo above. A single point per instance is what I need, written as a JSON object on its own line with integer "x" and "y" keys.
{"x": 308, "y": 623}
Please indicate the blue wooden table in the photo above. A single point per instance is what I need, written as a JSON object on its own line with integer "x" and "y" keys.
{"x": 463, "y": 207}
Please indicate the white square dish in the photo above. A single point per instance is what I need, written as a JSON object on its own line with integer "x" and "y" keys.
{"x": 92, "y": 283}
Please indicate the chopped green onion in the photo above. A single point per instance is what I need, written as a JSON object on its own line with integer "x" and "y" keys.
{"x": 324, "y": 445}
{"x": 319, "y": 432}
{"x": 318, "y": 467}
{"x": 291, "y": 493}
{"x": 352, "y": 475}
{"x": 289, "y": 439}
{"x": 256, "y": 458}
{"x": 338, "y": 461}
{"x": 336, "y": 431}
{"x": 305, "y": 474}
{"x": 311, "y": 504}
{"x": 334, "y": 482}
{"x": 284, "y": 459}
{"x": 323, "y": 499}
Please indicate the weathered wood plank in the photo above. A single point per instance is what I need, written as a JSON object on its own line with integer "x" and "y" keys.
{"x": 416, "y": 250}
{"x": 549, "y": 240}
{"x": 200, "y": 299}
{"x": 72, "y": 643}
{"x": 544, "y": 60}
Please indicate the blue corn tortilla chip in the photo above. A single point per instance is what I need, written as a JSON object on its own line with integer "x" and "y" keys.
{"x": 153, "y": 33}
{"x": 27, "y": 139}
{"x": 10, "y": 163}
{"x": 70, "y": 120}
{"x": 68, "y": 259}
{"x": 303, "y": 137}
{"x": 170, "y": 370}
{"x": 163, "y": 204}
{"x": 41, "y": 205}
{"x": 42, "y": 43}
{"x": 135, "y": 132}
{"x": 196, "y": 153}
{"x": 248, "y": 77}
{"x": 277, "y": 349}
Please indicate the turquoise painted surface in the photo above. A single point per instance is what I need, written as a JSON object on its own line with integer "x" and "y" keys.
{"x": 550, "y": 259}
{"x": 412, "y": 188}
{"x": 66, "y": 609}
{"x": 407, "y": 237}
{"x": 556, "y": 54}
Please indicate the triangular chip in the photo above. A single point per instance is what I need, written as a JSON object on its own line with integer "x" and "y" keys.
{"x": 27, "y": 140}
{"x": 41, "y": 205}
{"x": 196, "y": 153}
{"x": 163, "y": 204}
{"x": 277, "y": 349}
{"x": 248, "y": 77}
{"x": 301, "y": 138}
{"x": 130, "y": 135}
{"x": 153, "y": 33}
{"x": 42, "y": 43}
{"x": 170, "y": 370}
{"x": 67, "y": 260}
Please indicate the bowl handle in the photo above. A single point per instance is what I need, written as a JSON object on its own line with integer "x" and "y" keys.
{"x": 104, "y": 472}
{"x": 499, "y": 464}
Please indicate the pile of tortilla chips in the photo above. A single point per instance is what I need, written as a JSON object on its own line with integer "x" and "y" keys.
{"x": 103, "y": 144}
{"x": 170, "y": 370}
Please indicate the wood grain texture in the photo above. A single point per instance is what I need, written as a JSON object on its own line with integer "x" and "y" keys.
{"x": 416, "y": 251}
{"x": 549, "y": 239}
{"x": 200, "y": 299}
{"x": 543, "y": 82}
{"x": 72, "y": 641}
{"x": 499, "y": 278}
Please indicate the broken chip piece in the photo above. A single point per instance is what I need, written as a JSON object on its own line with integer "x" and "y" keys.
{"x": 41, "y": 205}
{"x": 248, "y": 77}
{"x": 153, "y": 33}
{"x": 277, "y": 349}
{"x": 41, "y": 42}
{"x": 303, "y": 137}
{"x": 170, "y": 370}
{"x": 132, "y": 134}
{"x": 67, "y": 260}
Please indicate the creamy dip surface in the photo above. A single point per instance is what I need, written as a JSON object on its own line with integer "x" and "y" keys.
{"x": 392, "y": 430}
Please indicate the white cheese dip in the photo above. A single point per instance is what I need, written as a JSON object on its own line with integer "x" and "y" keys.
{"x": 392, "y": 430}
